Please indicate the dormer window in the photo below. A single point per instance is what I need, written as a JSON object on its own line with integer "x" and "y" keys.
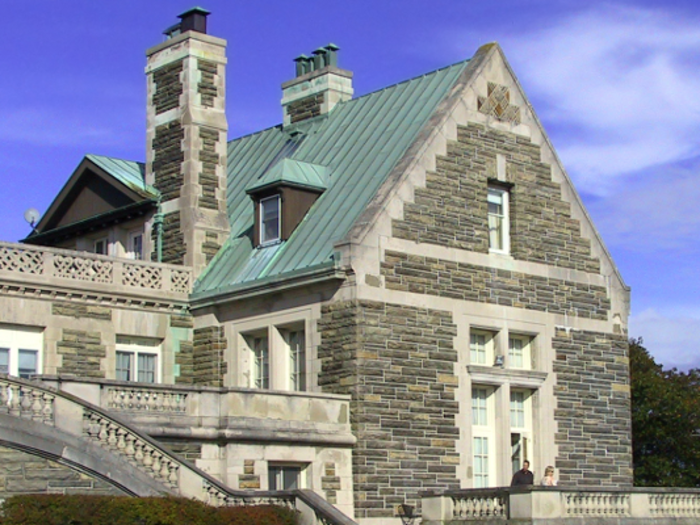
{"x": 270, "y": 216}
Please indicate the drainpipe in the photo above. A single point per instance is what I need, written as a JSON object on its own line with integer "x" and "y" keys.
{"x": 158, "y": 224}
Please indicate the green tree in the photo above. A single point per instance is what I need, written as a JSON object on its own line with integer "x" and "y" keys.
{"x": 665, "y": 422}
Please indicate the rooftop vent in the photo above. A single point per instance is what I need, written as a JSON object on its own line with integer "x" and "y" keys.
{"x": 194, "y": 19}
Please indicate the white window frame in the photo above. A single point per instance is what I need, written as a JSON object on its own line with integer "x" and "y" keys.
{"x": 295, "y": 342}
{"x": 499, "y": 196}
{"x": 132, "y": 252}
{"x": 483, "y": 436}
{"x": 520, "y": 417}
{"x": 482, "y": 347}
{"x": 277, "y": 199}
{"x": 133, "y": 347}
{"x": 96, "y": 242}
{"x": 258, "y": 344}
{"x": 18, "y": 340}
{"x": 276, "y": 470}
{"x": 520, "y": 351}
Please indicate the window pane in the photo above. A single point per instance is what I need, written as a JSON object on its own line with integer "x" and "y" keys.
{"x": 101, "y": 246}
{"x": 27, "y": 363}
{"x": 290, "y": 478}
{"x": 481, "y": 462}
{"x": 4, "y": 360}
{"x": 146, "y": 368}
{"x": 136, "y": 245}
{"x": 479, "y": 411}
{"x": 270, "y": 212}
{"x": 516, "y": 352}
{"x": 124, "y": 366}
{"x": 297, "y": 356}
{"x": 497, "y": 217}
{"x": 262, "y": 363}
{"x": 478, "y": 348}
{"x": 517, "y": 409}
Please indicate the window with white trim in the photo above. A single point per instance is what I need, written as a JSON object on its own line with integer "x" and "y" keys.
{"x": 519, "y": 351}
{"x": 520, "y": 426}
{"x": 288, "y": 476}
{"x": 498, "y": 219}
{"x": 270, "y": 219}
{"x": 135, "y": 245}
{"x": 483, "y": 436}
{"x": 138, "y": 359}
{"x": 481, "y": 347}
{"x": 296, "y": 346}
{"x": 20, "y": 350}
{"x": 260, "y": 363}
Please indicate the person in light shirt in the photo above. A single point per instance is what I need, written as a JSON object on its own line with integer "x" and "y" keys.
{"x": 548, "y": 479}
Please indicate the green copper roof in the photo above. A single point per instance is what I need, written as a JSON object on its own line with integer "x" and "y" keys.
{"x": 295, "y": 173}
{"x": 131, "y": 174}
{"x": 359, "y": 143}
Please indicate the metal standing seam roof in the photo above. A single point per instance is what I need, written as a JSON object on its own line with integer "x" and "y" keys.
{"x": 358, "y": 143}
{"x": 131, "y": 174}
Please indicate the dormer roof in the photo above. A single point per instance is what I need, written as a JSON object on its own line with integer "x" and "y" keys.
{"x": 294, "y": 173}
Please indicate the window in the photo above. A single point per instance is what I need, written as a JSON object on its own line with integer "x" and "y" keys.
{"x": 137, "y": 359}
{"x": 135, "y": 245}
{"x": 481, "y": 347}
{"x": 101, "y": 246}
{"x": 270, "y": 219}
{"x": 483, "y": 436}
{"x": 285, "y": 477}
{"x": 20, "y": 350}
{"x": 519, "y": 355}
{"x": 297, "y": 359}
{"x": 499, "y": 240}
{"x": 261, "y": 361}
{"x": 520, "y": 426}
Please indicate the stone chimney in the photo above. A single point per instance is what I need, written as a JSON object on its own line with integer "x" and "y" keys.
{"x": 186, "y": 142}
{"x": 319, "y": 85}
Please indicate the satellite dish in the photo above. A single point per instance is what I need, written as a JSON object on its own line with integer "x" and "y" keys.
{"x": 31, "y": 216}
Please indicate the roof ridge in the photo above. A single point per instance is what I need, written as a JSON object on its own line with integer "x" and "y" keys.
{"x": 114, "y": 158}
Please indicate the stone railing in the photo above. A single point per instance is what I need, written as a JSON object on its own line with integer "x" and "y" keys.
{"x": 212, "y": 412}
{"x": 557, "y": 504}
{"x": 36, "y": 265}
{"x": 77, "y": 418}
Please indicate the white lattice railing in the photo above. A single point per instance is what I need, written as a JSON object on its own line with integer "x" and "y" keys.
{"x": 29, "y": 262}
{"x": 145, "y": 399}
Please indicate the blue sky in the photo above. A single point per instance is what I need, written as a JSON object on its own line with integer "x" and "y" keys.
{"x": 615, "y": 84}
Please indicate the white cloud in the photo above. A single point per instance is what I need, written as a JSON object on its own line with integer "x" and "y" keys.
{"x": 622, "y": 82}
{"x": 671, "y": 339}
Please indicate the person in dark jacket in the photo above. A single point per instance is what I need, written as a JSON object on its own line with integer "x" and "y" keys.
{"x": 523, "y": 476}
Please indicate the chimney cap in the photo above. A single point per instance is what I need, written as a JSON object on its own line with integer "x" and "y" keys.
{"x": 194, "y": 10}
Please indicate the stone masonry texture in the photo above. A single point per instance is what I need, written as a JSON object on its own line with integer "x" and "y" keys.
{"x": 82, "y": 311}
{"x": 208, "y": 179}
{"x": 592, "y": 409}
{"x": 425, "y": 275}
{"x": 168, "y": 87}
{"x": 452, "y": 211}
{"x": 305, "y": 108}
{"x": 173, "y": 239}
{"x": 206, "y": 87}
{"x": 184, "y": 357}
{"x": 82, "y": 353}
{"x": 397, "y": 363}
{"x": 208, "y": 356}
{"x": 168, "y": 158}
{"x": 23, "y": 473}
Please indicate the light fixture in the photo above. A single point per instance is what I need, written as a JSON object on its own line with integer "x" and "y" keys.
{"x": 406, "y": 514}
{"x": 498, "y": 361}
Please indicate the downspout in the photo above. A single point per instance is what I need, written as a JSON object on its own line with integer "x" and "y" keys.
{"x": 158, "y": 224}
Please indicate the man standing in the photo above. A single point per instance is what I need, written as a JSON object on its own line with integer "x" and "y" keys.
{"x": 523, "y": 476}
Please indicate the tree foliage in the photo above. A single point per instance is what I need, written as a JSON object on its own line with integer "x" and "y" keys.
{"x": 665, "y": 422}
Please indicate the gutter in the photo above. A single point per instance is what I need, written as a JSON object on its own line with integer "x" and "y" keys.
{"x": 325, "y": 272}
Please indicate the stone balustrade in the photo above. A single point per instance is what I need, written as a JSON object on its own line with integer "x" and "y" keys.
{"x": 560, "y": 504}
{"x": 34, "y": 266}
{"x": 212, "y": 412}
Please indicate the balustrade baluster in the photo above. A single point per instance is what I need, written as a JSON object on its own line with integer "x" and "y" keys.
{"x": 15, "y": 400}
{"x": 174, "y": 477}
{"x": 37, "y": 412}
{"x": 129, "y": 449}
{"x": 47, "y": 408}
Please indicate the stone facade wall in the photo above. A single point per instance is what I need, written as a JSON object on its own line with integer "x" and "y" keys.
{"x": 249, "y": 480}
{"x": 208, "y": 356}
{"x": 184, "y": 354}
{"x": 425, "y": 275}
{"x": 185, "y": 449}
{"x": 330, "y": 483}
{"x": 206, "y": 87}
{"x": 173, "y": 239}
{"x": 168, "y": 159}
{"x": 82, "y": 353}
{"x": 22, "y": 473}
{"x": 82, "y": 311}
{"x": 211, "y": 245}
{"x": 594, "y": 429}
{"x": 168, "y": 87}
{"x": 208, "y": 179}
{"x": 305, "y": 108}
{"x": 397, "y": 362}
{"x": 452, "y": 209}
